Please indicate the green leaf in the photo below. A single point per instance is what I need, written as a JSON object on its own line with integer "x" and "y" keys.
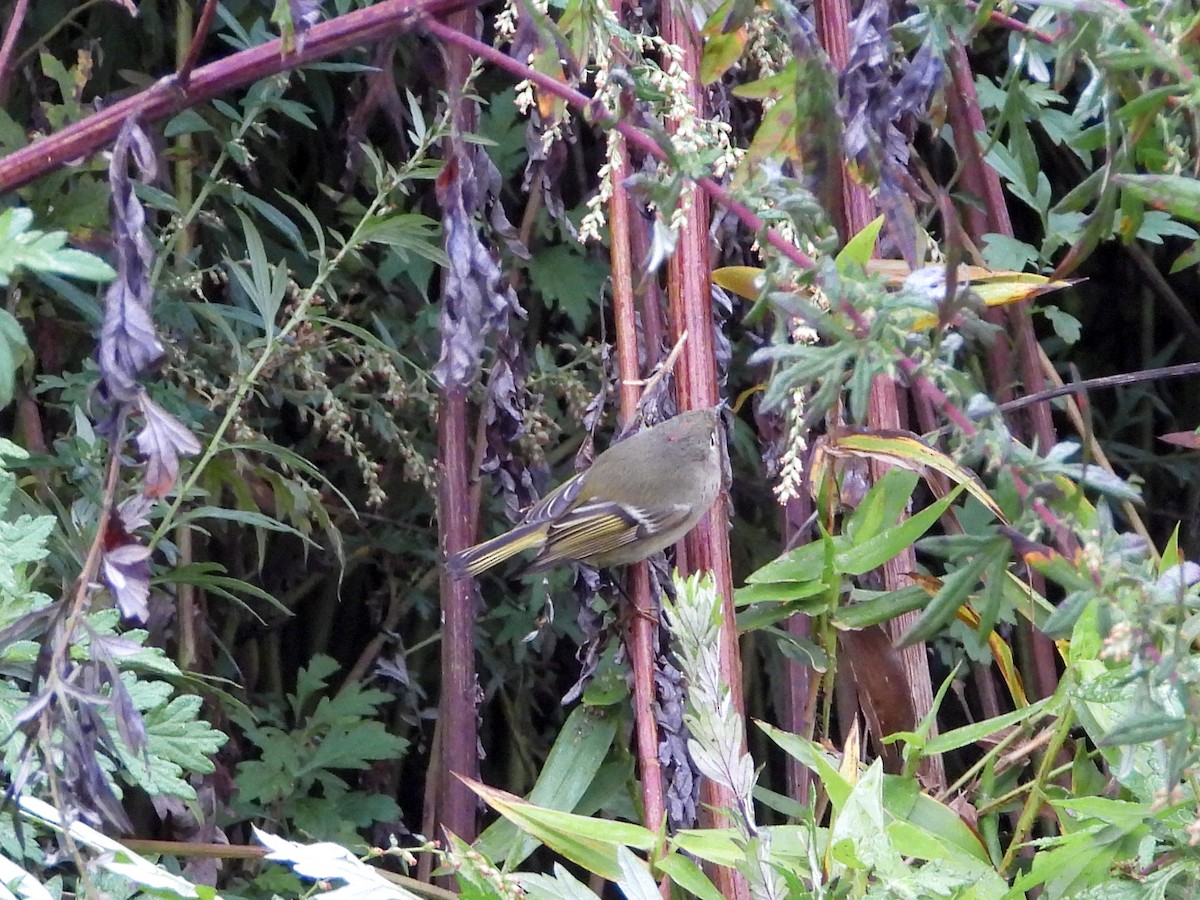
{"x": 312, "y": 680}
{"x": 875, "y": 552}
{"x": 883, "y": 606}
{"x": 1062, "y": 620}
{"x": 1065, "y": 325}
{"x": 882, "y": 505}
{"x": 588, "y": 842}
{"x": 580, "y": 749}
{"x": 265, "y": 287}
{"x": 187, "y": 122}
{"x": 248, "y": 517}
{"x": 815, "y": 759}
{"x": 1144, "y": 727}
{"x": 777, "y": 592}
{"x": 1177, "y": 194}
{"x": 210, "y": 577}
{"x": 804, "y": 564}
{"x": 571, "y": 282}
{"x": 635, "y": 882}
{"x": 955, "y": 590}
{"x": 977, "y": 731}
{"x": 861, "y": 247}
{"x": 561, "y": 886}
{"x": 37, "y": 251}
{"x": 409, "y": 232}
{"x": 354, "y": 748}
{"x": 721, "y": 51}
{"x": 1004, "y": 253}
{"x": 178, "y": 743}
{"x": 689, "y": 876}
{"x": 14, "y": 352}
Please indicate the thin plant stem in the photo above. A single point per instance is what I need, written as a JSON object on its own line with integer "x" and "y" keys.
{"x": 1037, "y": 793}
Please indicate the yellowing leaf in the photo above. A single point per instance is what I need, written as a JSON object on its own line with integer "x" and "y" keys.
{"x": 904, "y": 449}
{"x": 720, "y": 53}
{"x": 745, "y": 281}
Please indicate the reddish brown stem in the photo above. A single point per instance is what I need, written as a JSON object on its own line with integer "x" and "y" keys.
{"x": 689, "y": 294}
{"x": 460, "y": 734}
{"x": 167, "y": 97}
{"x": 833, "y": 21}
{"x": 643, "y": 632}
{"x": 456, "y": 803}
{"x": 184, "y": 74}
{"x": 15, "y": 21}
{"x": 1013, "y": 24}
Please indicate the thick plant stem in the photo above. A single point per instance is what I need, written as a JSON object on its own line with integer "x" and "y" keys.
{"x": 167, "y": 96}
{"x": 643, "y": 630}
{"x": 456, "y": 803}
{"x": 690, "y": 296}
{"x": 982, "y": 180}
{"x": 883, "y": 413}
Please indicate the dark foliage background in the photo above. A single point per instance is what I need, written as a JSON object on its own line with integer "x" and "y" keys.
{"x": 233, "y": 434}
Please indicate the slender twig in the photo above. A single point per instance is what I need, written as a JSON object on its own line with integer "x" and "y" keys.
{"x": 166, "y": 97}
{"x": 633, "y": 135}
{"x": 1037, "y": 792}
{"x": 10, "y": 41}
{"x": 91, "y": 564}
{"x": 643, "y": 627}
{"x": 184, "y": 72}
{"x": 1082, "y": 387}
{"x": 1014, "y": 24}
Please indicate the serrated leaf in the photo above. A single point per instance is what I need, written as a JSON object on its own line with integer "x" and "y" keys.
{"x": 354, "y": 748}
{"x": 178, "y": 743}
{"x": 571, "y": 282}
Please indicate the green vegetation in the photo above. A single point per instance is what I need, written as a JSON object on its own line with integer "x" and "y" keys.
{"x": 350, "y": 289}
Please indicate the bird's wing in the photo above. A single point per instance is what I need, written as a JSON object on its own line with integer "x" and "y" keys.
{"x": 557, "y": 502}
{"x": 594, "y": 529}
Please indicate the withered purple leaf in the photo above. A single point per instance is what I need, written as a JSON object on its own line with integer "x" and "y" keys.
{"x": 130, "y": 725}
{"x": 162, "y": 440}
{"x": 134, "y": 512}
{"x": 126, "y": 571}
{"x": 85, "y": 737}
{"x": 128, "y": 342}
{"x": 884, "y": 96}
{"x": 476, "y": 298}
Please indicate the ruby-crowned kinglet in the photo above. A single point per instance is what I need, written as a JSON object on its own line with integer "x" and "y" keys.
{"x": 639, "y": 496}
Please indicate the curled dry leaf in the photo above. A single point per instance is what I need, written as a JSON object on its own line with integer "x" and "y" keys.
{"x": 162, "y": 440}
{"x": 128, "y": 342}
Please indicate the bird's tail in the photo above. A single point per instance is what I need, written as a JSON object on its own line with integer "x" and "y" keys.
{"x": 481, "y": 557}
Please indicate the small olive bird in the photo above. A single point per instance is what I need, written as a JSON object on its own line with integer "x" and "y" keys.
{"x": 639, "y": 496}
